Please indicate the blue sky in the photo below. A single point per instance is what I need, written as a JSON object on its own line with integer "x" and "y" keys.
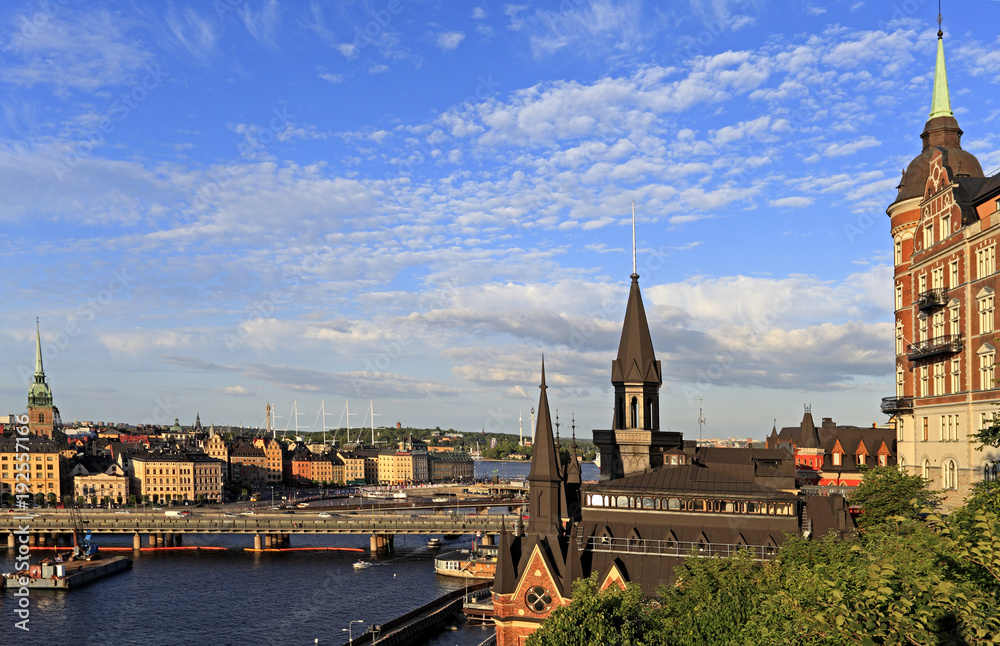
{"x": 214, "y": 205}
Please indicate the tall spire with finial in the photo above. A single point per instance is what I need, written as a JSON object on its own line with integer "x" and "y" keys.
{"x": 941, "y": 102}
{"x": 545, "y": 477}
{"x": 39, "y": 370}
{"x": 634, "y": 272}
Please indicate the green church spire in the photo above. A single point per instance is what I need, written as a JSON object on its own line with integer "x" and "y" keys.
{"x": 39, "y": 393}
{"x": 940, "y": 103}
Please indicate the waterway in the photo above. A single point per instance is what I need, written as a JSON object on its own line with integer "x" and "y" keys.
{"x": 238, "y": 597}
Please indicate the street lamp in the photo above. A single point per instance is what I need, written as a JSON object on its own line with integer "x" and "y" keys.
{"x": 272, "y": 495}
{"x": 350, "y": 634}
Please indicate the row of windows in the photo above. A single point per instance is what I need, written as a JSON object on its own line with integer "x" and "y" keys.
{"x": 38, "y": 458}
{"x": 689, "y": 504}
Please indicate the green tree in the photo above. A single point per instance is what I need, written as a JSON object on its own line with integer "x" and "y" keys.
{"x": 613, "y": 617}
{"x": 887, "y": 492}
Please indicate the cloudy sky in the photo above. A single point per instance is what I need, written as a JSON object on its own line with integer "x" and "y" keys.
{"x": 214, "y": 205}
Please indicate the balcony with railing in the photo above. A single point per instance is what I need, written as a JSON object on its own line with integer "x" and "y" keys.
{"x": 944, "y": 344}
{"x": 897, "y": 405}
{"x": 937, "y": 297}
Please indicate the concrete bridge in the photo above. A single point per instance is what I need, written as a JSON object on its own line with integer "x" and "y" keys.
{"x": 270, "y": 530}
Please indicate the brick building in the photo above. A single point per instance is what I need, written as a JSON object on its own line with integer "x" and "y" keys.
{"x": 945, "y": 224}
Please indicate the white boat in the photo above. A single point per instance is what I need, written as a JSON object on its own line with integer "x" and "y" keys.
{"x": 439, "y": 500}
{"x": 361, "y": 565}
{"x": 434, "y": 543}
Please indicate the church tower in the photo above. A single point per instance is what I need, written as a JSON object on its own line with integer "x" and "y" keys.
{"x": 41, "y": 412}
{"x": 635, "y": 442}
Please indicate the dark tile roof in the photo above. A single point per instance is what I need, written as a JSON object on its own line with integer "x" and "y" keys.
{"x": 685, "y": 479}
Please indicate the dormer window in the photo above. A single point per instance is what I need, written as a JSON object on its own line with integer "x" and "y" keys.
{"x": 836, "y": 459}
{"x": 862, "y": 458}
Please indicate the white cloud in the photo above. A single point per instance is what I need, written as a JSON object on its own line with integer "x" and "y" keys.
{"x": 792, "y": 202}
{"x": 332, "y": 78}
{"x": 449, "y": 40}
{"x": 851, "y": 147}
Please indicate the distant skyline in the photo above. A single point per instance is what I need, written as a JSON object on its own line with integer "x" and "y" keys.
{"x": 214, "y": 205}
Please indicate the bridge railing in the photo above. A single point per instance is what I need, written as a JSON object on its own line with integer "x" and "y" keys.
{"x": 249, "y": 524}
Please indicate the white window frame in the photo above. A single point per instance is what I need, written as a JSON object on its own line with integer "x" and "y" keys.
{"x": 956, "y": 376}
{"x": 899, "y": 297}
{"x": 987, "y": 359}
{"x": 898, "y": 251}
{"x": 937, "y": 278}
{"x": 900, "y": 346}
{"x": 954, "y": 280}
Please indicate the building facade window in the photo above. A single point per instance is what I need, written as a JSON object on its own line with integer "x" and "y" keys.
{"x": 986, "y": 360}
{"x": 928, "y": 235}
{"x": 925, "y": 470}
{"x": 939, "y": 378}
{"x": 923, "y": 381}
{"x": 937, "y": 278}
{"x": 836, "y": 459}
{"x": 986, "y": 313}
{"x": 898, "y": 251}
{"x": 954, "y": 319}
{"x": 922, "y": 283}
{"x": 923, "y": 433}
{"x": 937, "y": 324}
{"x": 899, "y": 297}
{"x": 899, "y": 381}
{"x": 954, "y": 279}
{"x": 986, "y": 261}
{"x": 956, "y": 376}
{"x": 899, "y": 338}
{"x": 923, "y": 329}
{"x": 945, "y": 225}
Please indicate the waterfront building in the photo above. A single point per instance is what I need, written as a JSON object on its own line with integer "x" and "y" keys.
{"x": 218, "y": 448}
{"x": 450, "y": 466}
{"x": 406, "y": 464}
{"x": 360, "y": 466}
{"x": 46, "y": 471}
{"x": 248, "y": 464}
{"x": 275, "y": 457}
{"x": 945, "y": 226}
{"x": 177, "y": 476}
{"x": 101, "y": 480}
{"x": 42, "y": 414}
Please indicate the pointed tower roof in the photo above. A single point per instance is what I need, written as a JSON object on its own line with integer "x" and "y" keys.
{"x": 940, "y": 101}
{"x": 636, "y": 360}
{"x": 808, "y": 437}
{"x": 39, "y": 369}
{"x": 940, "y": 132}
{"x": 574, "y": 475}
{"x": 39, "y": 393}
{"x": 544, "y": 459}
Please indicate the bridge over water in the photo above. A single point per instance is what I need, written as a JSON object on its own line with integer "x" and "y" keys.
{"x": 270, "y": 530}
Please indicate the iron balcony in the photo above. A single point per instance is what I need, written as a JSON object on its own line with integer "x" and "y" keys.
{"x": 937, "y": 297}
{"x": 945, "y": 344}
{"x": 897, "y": 405}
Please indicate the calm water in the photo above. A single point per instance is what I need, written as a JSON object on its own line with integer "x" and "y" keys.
{"x": 236, "y": 597}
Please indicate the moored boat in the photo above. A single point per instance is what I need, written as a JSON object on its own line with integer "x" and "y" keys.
{"x": 434, "y": 543}
{"x": 479, "y": 563}
{"x": 361, "y": 565}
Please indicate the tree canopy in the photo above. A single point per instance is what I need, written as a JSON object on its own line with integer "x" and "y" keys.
{"x": 886, "y": 493}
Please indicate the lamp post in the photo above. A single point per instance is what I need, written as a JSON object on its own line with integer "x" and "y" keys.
{"x": 272, "y": 495}
{"x": 350, "y": 634}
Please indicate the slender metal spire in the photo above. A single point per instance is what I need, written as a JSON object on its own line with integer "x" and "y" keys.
{"x": 633, "y": 239}
{"x": 39, "y": 370}
{"x": 941, "y": 101}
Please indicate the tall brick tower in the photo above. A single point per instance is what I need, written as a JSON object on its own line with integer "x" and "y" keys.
{"x": 945, "y": 225}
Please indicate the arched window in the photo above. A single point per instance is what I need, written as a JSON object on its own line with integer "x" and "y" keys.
{"x": 635, "y": 413}
{"x": 949, "y": 474}
{"x": 621, "y": 412}
{"x": 925, "y": 470}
